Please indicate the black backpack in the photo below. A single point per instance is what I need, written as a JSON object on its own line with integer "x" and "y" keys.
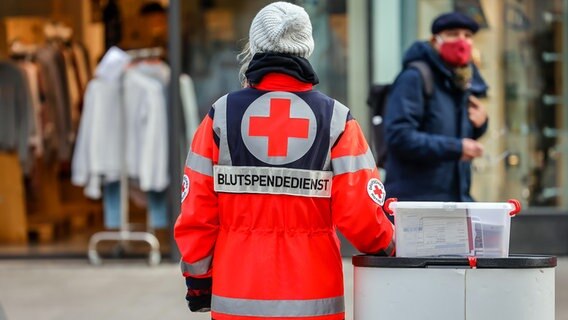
{"x": 377, "y": 101}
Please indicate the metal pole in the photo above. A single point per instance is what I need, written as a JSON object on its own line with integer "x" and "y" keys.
{"x": 174, "y": 118}
{"x": 563, "y": 185}
{"x": 370, "y": 40}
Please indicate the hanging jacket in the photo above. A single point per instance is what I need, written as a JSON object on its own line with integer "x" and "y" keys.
{"x": 145, "y": 103}
{"x": 271, "y": 173}
{"x": 424, "y": 134}
{"x": 16, "y": 112}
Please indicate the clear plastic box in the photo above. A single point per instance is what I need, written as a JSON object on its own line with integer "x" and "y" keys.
{"x": 452, "y": 228}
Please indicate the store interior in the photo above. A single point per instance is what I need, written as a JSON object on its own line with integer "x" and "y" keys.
{"x": 50, "y": 201}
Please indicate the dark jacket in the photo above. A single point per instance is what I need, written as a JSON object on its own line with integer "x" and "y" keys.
{"x": 16, "y": 112}
{"x": 424, "y": 134}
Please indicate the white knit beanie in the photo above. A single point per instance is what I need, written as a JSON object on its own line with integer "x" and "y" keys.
{"x": 282, "y": 27}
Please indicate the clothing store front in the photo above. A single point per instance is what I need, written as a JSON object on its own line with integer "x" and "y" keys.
{"x": 47, "y": 208}
{"x": 62, "y": 134}
{"x": 64, "y": 160}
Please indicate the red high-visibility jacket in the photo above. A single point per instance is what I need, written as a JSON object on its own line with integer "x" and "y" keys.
{"x": 269, "y": 177}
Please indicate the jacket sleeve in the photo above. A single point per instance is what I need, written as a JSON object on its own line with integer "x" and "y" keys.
{"x": 403, "y": 118}
{"x": 197, "y": 226}
{"x": 358, "y": 215}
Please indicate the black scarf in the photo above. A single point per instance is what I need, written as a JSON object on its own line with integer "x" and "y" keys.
{"x": 269, "y": 62}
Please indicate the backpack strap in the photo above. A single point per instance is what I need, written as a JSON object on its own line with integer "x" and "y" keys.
{"x": 427, "y": 76}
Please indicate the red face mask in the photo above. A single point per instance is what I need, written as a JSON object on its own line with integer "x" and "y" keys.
{"x": 456, "y": 53}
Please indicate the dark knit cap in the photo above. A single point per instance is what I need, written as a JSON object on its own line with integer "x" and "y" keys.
{"x": 453, "y": 20}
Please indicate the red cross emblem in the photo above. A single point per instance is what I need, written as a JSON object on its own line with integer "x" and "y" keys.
{"x": 376, "y": 191}
{"x": 279, "y": 127}
{"x": 184, "y": 187}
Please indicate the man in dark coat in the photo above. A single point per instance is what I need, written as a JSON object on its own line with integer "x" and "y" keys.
{"x": 431, "y": 138}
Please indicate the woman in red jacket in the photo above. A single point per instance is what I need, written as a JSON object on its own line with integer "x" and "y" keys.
{"x": 273, "y": 169}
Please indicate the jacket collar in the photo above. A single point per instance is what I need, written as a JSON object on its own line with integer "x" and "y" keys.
{"x": 282, "y": 82}
{"x": 271, "y": 62}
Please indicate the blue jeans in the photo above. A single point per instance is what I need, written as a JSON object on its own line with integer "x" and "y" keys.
{"x": 157, "y": 207}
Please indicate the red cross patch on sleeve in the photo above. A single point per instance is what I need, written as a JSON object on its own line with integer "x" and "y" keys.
{"x": 376, "y": 191}
{"x": 184, "y": 187}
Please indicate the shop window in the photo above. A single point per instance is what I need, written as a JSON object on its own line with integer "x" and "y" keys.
{"x": 536, "y": 163}
{"x": 214, "y": 32}
{"x": 48, "y": 50}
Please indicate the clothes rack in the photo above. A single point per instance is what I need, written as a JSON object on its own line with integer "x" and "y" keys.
{"x": 146, "y": 53}
{"x": 125, "y": 234}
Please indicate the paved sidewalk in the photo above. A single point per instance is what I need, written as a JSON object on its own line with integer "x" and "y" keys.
{"x": 61, "y": 290}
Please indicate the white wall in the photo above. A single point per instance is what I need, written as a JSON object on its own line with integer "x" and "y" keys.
{"x": 357, "y": 62}
{"x": 386, "y": 40}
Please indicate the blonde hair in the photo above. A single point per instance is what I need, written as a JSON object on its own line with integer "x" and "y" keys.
{"x": 244, "y": 59}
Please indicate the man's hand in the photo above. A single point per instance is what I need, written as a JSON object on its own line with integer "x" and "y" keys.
{"x": 471, "y": 149}
{"x": 476, "y": 111}
{"x": 198, "y": 294}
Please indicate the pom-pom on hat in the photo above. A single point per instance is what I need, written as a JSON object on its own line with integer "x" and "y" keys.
{"x": 453, "y": 20}
{"x": 282, "y": 27}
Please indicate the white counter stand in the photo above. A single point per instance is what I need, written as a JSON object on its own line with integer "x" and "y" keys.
{"x": 518, "y": 287}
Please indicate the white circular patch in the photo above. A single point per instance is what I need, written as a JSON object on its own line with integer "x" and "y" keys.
{"x": 278, "y": 128}
{"x": 184, "y": 187}
{"x": 376, "y": 191}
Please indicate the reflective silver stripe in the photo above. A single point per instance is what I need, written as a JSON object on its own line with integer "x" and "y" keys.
{"x": 277, "y": 308}
{"x": 220, "y": 128}
{"x": 271, "y": 180}
{"x": 197, "y": 268}
{"x": 353, "y": 163}
{"x": 199, "y": 163}
{"x": 327, "y": 163}
{"x": 337, "y": 126}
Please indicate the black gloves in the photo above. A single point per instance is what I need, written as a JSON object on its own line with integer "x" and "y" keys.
{"x": 198, "y": 294}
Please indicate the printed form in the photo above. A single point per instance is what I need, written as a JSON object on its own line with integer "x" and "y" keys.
{"x": 433, "y": 232}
